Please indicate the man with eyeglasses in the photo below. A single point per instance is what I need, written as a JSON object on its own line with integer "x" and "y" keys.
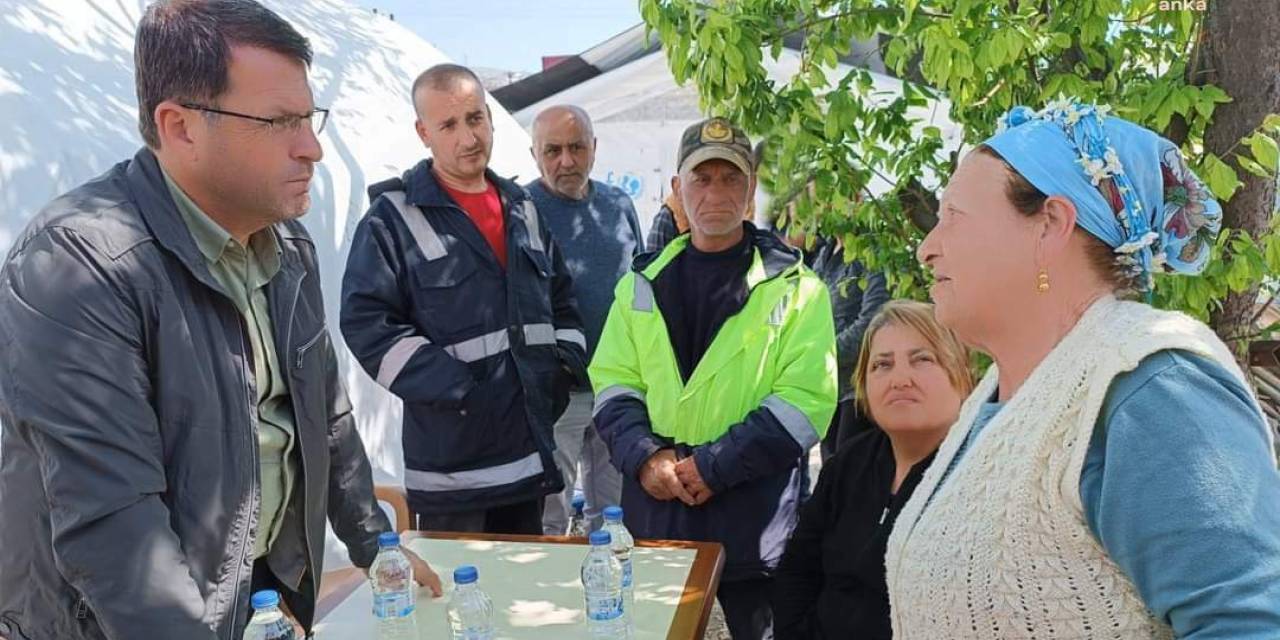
{"x": 457, "y": 300}
{"x": 175, "y": 430}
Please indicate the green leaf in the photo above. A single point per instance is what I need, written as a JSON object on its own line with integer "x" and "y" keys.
{"x": 1265, "y": 151}
{"x": 1253, "y": 167}
{"x": 1272, "y": 122}
{"x": 1152, "y": 100}
{"x": 1272, "y": 252}
{"x": 1214, "y": 93}
{"x": 1005, "y": 48}
{"x": 1204, "y": 107}
{"x": 1220, "y": 178}
{"x": 1181, "y": 101}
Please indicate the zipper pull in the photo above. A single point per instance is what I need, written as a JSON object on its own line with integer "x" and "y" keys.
{"x": 883, "y": 515}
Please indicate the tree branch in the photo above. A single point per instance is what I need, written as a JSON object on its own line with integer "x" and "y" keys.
{"x": 1138, "y": 20}
{"x": 806, "y": 25}
{"x": 919, "y": 204}
{"x": 1263, "y": 309}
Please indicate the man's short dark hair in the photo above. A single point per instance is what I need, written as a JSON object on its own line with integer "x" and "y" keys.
{"x": 441, "y": 77}
{"x": 183, "y": 49}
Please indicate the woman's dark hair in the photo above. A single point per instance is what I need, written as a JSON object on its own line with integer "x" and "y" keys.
{"x": 1029, "y": 201}
{"x": 183, "y": 49}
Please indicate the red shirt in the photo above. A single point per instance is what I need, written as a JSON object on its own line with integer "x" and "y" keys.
{"x": 485, "y": 211}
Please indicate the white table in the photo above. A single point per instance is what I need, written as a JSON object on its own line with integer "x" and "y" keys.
{"x": 535, "y": 586}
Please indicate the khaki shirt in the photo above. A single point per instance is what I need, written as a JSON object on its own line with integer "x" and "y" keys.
{"x": 244, "y": 273}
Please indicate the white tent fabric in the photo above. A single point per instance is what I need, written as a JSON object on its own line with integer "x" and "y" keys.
{"x": 639, "y": 112}
{"x": 69, "y": 112}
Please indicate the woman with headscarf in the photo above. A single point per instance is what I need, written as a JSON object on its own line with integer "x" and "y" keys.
{"x": 1112, "y": 476}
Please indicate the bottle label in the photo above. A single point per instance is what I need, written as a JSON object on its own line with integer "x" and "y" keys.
{"x": 392, "y": 605}
{"x": 604, "y": 607}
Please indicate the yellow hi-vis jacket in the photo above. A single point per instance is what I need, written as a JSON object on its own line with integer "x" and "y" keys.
{"x": 760, "y": 397}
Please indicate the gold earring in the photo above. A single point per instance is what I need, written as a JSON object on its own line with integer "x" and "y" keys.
{"x": 1042, "y": 281}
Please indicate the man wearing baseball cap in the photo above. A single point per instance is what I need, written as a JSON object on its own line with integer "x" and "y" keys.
{"x": 715, "y": 374}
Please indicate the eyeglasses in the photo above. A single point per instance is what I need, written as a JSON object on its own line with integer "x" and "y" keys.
{"x": 291, "y": 123}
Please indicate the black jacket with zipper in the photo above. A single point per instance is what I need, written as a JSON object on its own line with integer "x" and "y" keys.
{"x": 129, "y": 478}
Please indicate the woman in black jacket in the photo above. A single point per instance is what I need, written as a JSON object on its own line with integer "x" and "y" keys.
{"x": 911, "y": 378}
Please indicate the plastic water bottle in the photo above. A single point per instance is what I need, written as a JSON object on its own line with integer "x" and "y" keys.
{"x": 602, "y": 583}
{"x": 470, "y": 610}
{"x": 622, "y": 543}
{"x": 578, "y": 522}
{"x": 393, "y": 590}
{"x": 268, "y": 623}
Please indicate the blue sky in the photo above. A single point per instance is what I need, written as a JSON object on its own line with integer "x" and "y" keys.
{"x": 511, "y": 34}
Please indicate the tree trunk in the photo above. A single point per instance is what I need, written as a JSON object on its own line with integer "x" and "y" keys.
{"x": 1243, "y": 53}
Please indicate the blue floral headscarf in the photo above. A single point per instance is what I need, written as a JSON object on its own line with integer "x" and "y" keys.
{"x": 1132, "y": 188}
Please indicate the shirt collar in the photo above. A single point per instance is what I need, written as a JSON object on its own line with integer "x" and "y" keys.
{"x": 213, "y": 240}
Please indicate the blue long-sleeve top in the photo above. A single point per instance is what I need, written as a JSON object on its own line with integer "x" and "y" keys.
{"x": 1180, "y": 487}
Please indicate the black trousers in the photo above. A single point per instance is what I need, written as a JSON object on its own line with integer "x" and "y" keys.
{"x": 748, "y": 608}
{"x": 518, "y": 518}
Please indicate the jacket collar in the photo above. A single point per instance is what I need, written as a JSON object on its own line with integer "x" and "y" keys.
{"x": 772, "y": 256}
{"x": 421, "y": 187}
{"x": 160, "y": 213}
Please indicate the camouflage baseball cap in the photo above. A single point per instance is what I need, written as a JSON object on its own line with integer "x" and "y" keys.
{"x": 714, "y": 138}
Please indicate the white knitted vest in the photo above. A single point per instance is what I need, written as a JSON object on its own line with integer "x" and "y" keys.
{"x": 1003, "y": 550}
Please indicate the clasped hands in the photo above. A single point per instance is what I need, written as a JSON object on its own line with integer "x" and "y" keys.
{"x": 666, "y": 478}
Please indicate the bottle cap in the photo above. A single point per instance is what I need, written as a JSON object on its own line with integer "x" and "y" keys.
{"x": 599, "y": 537}
{"x": 265, "y": 598}
{"x": 466, "y": 574}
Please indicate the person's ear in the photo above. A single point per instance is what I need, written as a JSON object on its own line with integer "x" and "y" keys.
{"x": 425, "y": 137}
{"x": 1055, "y": 225}
{"x": 176, "y": 127}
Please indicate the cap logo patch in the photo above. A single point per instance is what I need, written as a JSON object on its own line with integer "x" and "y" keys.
{"x": 716, "y": 131}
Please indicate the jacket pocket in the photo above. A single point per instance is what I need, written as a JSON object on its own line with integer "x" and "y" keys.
{"x": 442, "y": 274}
{"x": 445, "y": 298}
{"x": 541, "y": 263}
{"x": 536, "y": 285}
{"x": 300, "y": 352}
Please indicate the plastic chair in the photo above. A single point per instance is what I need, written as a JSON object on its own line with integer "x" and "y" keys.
{"x": 395, "y": 497}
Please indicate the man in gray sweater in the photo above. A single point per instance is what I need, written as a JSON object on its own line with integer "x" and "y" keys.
{"x": 597, "y": 229}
